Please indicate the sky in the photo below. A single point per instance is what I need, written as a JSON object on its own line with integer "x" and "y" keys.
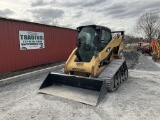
{"x": 114, "y": 14}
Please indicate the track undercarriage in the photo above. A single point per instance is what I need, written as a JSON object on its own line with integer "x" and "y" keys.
{"x": 114, "y": 74}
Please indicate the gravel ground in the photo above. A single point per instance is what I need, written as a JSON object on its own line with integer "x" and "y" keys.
{"x": 31, "y": 69}
{"x": 136, "y": 99}
{"x": 131, "y": 58}
{"x": 150, "y": 58}
{"x": 136, "y": 60}
{"x": 146, "y": 64}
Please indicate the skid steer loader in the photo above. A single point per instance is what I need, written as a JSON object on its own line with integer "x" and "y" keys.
{"x": 96, "y": 66}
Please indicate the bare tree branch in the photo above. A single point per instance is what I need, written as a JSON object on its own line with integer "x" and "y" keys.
{"x": 149, "y": 24}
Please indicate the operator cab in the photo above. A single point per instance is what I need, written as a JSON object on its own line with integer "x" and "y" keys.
{"x": 92, "y": 39}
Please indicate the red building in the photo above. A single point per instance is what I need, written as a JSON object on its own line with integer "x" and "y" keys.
{"x": 26, "y": 44}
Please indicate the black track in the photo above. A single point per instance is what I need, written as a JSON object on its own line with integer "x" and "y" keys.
{"x": 115, "y": 74}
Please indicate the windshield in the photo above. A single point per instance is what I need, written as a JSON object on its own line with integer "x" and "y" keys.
{"x": 86, "y": 49}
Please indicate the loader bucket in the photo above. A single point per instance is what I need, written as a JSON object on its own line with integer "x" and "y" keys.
{"x": 82, "y": 89}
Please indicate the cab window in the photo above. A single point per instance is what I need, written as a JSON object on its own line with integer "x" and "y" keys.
{"x": 105, "y": 38}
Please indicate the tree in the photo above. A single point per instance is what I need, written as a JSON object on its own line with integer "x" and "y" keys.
{"x": 149, "y": 25}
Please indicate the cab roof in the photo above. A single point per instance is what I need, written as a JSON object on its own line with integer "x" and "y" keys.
{"x": 95, "y": 26}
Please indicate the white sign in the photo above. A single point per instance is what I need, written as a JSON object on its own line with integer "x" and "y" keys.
{"x": 31, "y": 40}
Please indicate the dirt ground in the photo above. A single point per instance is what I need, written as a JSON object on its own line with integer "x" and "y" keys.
{"x": 136, "y": 99}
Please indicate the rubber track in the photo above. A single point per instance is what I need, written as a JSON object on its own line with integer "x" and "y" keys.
{"x": 111, "y": 71}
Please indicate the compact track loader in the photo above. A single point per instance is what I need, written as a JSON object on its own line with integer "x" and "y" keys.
{"x": 96, "y": 66}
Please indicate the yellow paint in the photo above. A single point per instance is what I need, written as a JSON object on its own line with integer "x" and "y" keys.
{"x": 92, "y": 67}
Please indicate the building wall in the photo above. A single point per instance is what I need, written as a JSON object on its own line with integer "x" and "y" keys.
{"x": 59, "y": 43}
